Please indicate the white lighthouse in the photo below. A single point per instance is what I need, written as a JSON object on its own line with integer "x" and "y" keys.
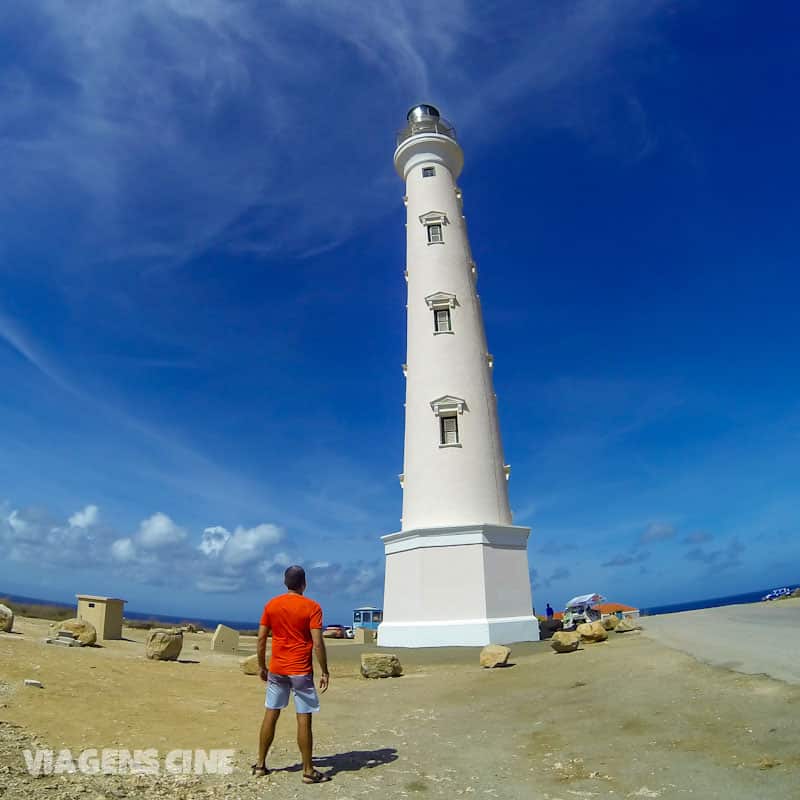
{"x": 457, "y": 571}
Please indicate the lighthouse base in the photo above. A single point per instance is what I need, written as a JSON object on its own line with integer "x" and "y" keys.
{"x": 459, "y": 585}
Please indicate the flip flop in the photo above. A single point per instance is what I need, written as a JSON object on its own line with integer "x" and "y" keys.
{"x": 316, "y": 777}
{"x": 259, "y": 772}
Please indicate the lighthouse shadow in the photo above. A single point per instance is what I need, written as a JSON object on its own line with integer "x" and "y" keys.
{"x": 352, "y": 761}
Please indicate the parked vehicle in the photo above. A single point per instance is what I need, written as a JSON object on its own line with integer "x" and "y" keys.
{"x": 580, "y": 609}
{"x": 776, "y": 594}
{"x": 334, "y": 632}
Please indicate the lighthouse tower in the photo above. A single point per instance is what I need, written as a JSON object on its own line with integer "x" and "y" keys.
{"x": 457, "y": 571}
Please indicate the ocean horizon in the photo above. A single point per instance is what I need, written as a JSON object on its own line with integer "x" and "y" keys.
{"x": 672, "y": 608}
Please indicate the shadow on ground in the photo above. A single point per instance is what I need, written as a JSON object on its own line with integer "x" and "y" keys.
{"x": 352, "y": 761}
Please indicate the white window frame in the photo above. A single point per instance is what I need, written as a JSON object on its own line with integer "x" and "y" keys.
{"x": 444, "y": 433}
{"x": 448, "y": 406}
{"x": 433, "y": 220}
{"x": 442, "y": 315}
{"x": 428, "y": 172}
{"x": 441, "y": 301}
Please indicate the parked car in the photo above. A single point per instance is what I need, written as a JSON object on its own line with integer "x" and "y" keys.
{"x": 334, "y": 632}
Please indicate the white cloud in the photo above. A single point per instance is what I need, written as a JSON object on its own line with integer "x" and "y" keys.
{"x": 17, "y": 524}
{"x": 159, "y": 531}
{"x": 86, "y": 518}
{"x": 250, "y": 545}
{"x": 214, "y": 584}
{"x": 213, "y": 540}
{"x": 123, "y": 550}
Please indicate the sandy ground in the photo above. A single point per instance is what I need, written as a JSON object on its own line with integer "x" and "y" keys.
{"x": 757, "y": 639}
{"x": 626, "y": 718}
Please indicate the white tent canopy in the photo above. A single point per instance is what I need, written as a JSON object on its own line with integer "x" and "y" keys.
{"x": 585, "y": 599}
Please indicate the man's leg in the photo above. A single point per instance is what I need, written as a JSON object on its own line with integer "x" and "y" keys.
{"x": 267, "y": 734}
{"x": 305, "y": 741}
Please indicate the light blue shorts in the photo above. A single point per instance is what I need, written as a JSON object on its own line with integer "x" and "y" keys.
{"x": 306, "y": 700}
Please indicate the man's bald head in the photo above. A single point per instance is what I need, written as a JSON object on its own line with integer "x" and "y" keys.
{"x": 295, "y": 578}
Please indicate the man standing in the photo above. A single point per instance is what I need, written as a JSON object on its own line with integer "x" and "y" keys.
{"x": 296, "y": 625}
{"x": 549, "y": 612}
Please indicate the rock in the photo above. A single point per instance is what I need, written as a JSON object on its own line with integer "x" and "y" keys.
{"x": 609, "y": 623}
{"x": 627, "y": 624}
{"x": 82, "y": 630}
{"x": 380, "y": 665}
{"x": 547, "y": 627}
{"x": 6, "y": 619}
{"x": 225, "y": 640}
{"x": 565, "y": 641}
{"x": 163, "y": 644}
{"x": 592, "y": 632}
{"x": 249, "y": 665}
{"x": 33, "y": 682}
{"x": 494, "y": 655}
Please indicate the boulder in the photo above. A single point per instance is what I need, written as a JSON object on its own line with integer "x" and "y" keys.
{"x": 249, "y": 665}
{"x": 6, "y": 619}
{"x": 547, "y": 627}
{"x": 495, "y": 655}
{"x": 380, "y": 665}
{"x": 82, "y": 630}
{"x": 627, "y": 624}
{"x": 592, "y": 632}
{"x": 163, "y": 644}
{"x": 609, "y": 623}
{"x": 565, "y": 641}
{"x": 225, "y": 640}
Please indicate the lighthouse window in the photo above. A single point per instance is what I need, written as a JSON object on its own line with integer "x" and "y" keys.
{"x": 449, "y": 430}
{"x": 441, "y": 320}
{"x": 428, "y": 172}
{"x": 434, "y": 234}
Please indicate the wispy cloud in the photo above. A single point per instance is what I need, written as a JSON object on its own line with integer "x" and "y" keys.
{"x": 181, "y": 127}
{"x": 626, "y": 559}
{"x": 657, "y": 532}
{"x": 723, "y": 558}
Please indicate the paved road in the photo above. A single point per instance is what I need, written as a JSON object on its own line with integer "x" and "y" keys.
{"x": 762, "y": 638}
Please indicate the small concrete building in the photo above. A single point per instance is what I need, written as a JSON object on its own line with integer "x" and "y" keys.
{"x": 105, "y": 613}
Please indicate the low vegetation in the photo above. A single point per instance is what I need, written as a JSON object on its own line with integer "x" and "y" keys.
{"x": 147, "y": 624}
{"x": 39, "y": 610}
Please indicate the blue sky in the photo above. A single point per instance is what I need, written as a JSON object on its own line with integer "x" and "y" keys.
{"x": 202, "y": 301}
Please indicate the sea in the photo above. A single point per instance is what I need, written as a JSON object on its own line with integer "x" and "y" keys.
{"x": 175, "y": 620}
{"x": 713, "y": 602}
{"x": 692, "y": 605}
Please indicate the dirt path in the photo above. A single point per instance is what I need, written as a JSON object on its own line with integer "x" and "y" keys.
{"x": 627, "y": 718}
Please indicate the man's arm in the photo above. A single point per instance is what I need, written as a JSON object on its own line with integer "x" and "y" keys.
{"x": 261, "y": 650}
{"x": 322, "y": 657}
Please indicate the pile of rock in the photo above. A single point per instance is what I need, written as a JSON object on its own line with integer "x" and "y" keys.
{"x": 73, "y": 633}
{"x": 591, "y": 633}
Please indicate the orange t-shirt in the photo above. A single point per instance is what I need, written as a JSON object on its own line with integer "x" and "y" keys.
{"x": 291, "y": 617}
